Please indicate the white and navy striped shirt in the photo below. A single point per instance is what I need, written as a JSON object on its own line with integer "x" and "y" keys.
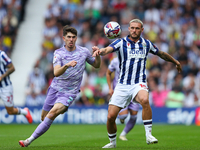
{"x": 4, "y": 61}
{"x": 132, "y": 57}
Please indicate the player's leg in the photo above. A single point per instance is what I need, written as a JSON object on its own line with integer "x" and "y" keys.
{"x": 56, "y": 106}
{"x": 123, "y": 115}
{"x": 57, "y": 109}
{"x": 133, "y": 109}
{"x": 111, "y": 125}
{"x": 49, "y": 102}
{"x": 44, "y": 114}
{"x": 143, "y": 98}
{"x": 120, "y": 99}
{"x": 19, "y": 111}
{"x": 15, "y": 111}
{"x": 7, "y": 97}
{"x": 45, "y": 124}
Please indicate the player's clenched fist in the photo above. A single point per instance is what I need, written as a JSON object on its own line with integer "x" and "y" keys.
{"x": 71, "y": 63}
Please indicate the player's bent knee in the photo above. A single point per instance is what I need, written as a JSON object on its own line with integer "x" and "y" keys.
{"x": 144, "y": 101}
{"x": 111, "y": 118}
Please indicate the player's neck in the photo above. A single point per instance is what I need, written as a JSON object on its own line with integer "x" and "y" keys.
{"x": 70, "y": 49}
{"x": 133, "y": 39}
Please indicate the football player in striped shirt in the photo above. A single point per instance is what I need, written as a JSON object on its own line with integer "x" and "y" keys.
{"x": 6, "y": 88}
{"x": 132, "y": 52}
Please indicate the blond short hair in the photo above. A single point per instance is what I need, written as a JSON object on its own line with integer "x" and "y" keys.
{"x": 136, "y": 20}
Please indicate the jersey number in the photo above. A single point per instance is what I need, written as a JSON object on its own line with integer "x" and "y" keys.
{"x": 10, "y": 99}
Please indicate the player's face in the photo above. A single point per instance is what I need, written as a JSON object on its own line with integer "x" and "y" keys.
{"x": 135, "y": 30}
{"x": 70, "y": 40}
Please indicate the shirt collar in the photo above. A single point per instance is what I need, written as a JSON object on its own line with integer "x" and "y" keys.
{"x": 139, "y": 41}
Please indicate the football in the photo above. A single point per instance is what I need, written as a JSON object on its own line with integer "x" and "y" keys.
{"x": 112, "y": 30}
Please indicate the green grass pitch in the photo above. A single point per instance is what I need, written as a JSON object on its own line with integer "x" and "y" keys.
{"x": 93, "y": 137}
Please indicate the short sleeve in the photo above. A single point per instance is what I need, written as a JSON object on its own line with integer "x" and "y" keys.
{"x": 89, "y": 58}
{"x": 5, "y": 59}
{"x": 56, "y": 59}
{"x": 116, "y": 45}
{"x": 153, "y": 49}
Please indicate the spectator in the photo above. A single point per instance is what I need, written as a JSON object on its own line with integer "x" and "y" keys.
{"x": 158, "y": 94}
{"x": 175, "y": 98}
{"x": 191, "y": 99}
{"x": 36, "y": 85}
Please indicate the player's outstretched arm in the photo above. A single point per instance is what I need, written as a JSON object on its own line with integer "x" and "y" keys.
{"x": 58, "y": 70}
{"x": 102, "y": 51}
{"x": 97, "y": 62}
{"x": 10, "y": 69}
{"x": 169, "y": 58}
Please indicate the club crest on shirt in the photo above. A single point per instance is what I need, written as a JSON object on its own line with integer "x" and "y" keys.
{"x": 144, "y": 45}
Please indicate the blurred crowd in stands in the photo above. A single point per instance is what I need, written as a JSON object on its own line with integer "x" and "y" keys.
{"x": 172, "y": 25}
{"x": 11, "y": 15}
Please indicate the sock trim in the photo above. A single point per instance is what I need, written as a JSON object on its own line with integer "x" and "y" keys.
{"x": 112, "y": 135}
{"x": 147, "y": 122}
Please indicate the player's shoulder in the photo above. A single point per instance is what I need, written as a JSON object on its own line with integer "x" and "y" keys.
{"x": 59, "y": 50}
{"x": 81, "y": 48}
{"x": 119, "y": 39}
{"x": 144, "y": 40}
{"x": 2, "y": 53}
{"x": 59, "y": 53}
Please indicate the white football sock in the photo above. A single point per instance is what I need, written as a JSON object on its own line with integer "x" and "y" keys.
{"x": 148, "y": 126}
{"x": 22, "y": 111}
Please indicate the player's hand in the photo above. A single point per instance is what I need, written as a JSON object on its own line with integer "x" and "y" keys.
{"x": 95, "y": 48}
{"x": 111, "y": 91}
{"x": 71, "y": 63}
{"x": 179, "y": 68}
{"x": 96, "y": 51}
{"x": 0, "y": 78}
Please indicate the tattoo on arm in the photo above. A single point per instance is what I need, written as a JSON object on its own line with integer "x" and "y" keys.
{"x": 103, "y": 51}
{"x": 166, "y": 57}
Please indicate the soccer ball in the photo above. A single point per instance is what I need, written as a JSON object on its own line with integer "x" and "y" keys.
{"x": 112, "y": 30}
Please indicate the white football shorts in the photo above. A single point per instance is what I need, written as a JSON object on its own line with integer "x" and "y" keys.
{"x": 123, "y": 94}
{"x": 6, "y": 94}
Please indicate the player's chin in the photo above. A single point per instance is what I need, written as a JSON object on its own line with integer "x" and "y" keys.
{"x": 135, "y": 36}
{"x": 71, "y": 45}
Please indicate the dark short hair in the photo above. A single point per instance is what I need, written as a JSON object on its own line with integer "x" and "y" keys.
{"x": 67, "y": 29}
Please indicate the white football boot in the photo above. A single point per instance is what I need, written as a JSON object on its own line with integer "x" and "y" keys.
{"x": 123, "y": 138}
{"x": 109, "y": 145}
{"x": 24, "y": 143}
{"x": 151, "y": 139}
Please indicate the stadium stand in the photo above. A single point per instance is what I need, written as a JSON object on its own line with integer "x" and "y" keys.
{"x": 172, "y": 25}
